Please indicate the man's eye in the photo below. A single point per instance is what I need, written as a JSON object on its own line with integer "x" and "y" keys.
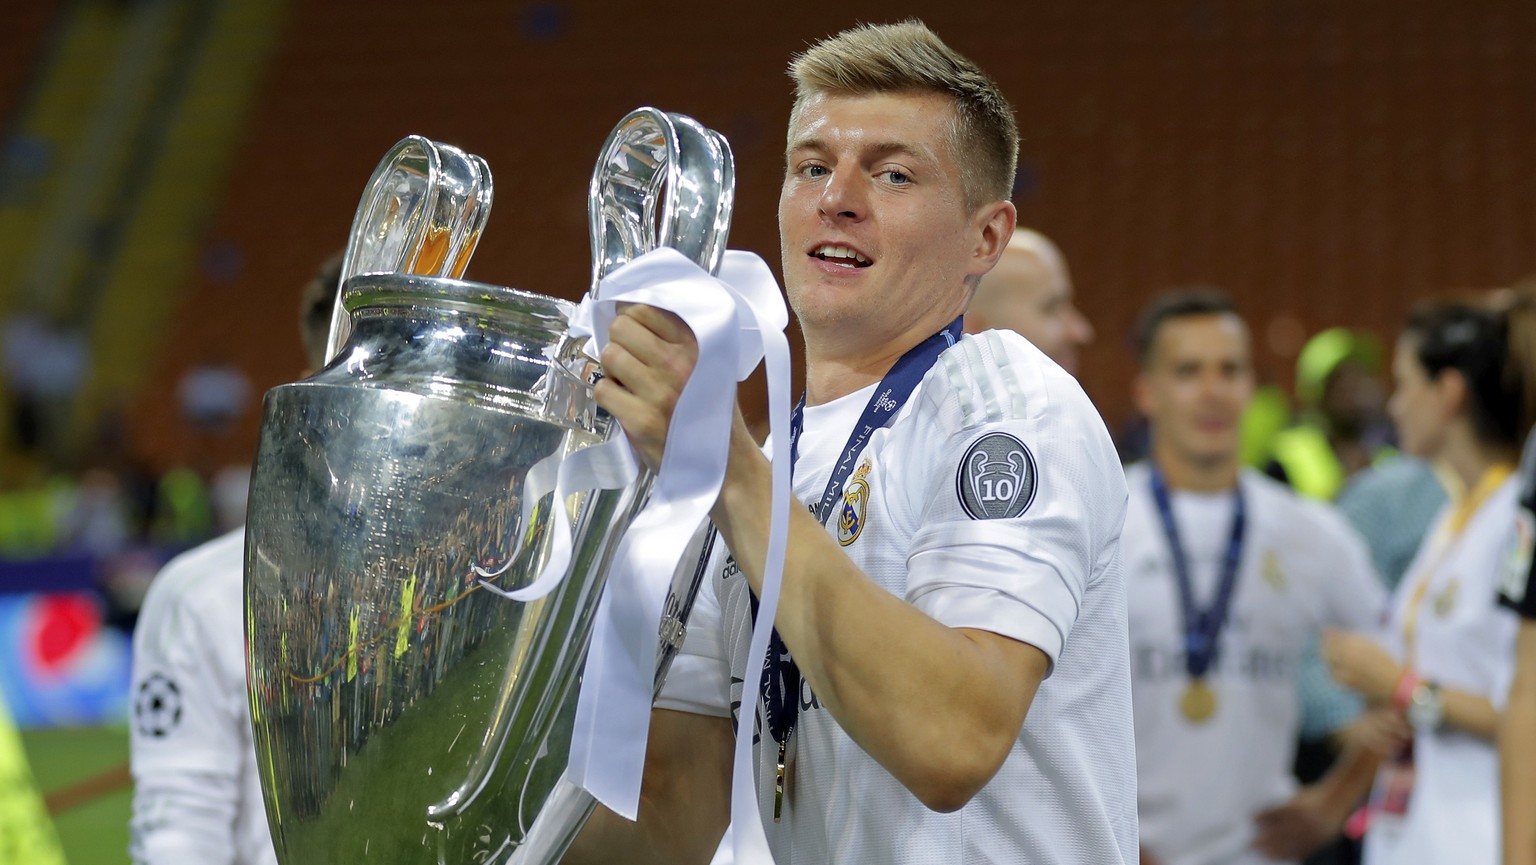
{"x": 899, "y": 178}
{"x": 815, "y": 171}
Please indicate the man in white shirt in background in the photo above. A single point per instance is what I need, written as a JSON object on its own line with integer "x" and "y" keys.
{"x": 1229, "y": 576}
{"x": 1030, "y": 292}
{"x": 197, "y": 794}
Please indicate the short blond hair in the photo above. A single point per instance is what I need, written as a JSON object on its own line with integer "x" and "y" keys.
{"x": 891, "y": 58}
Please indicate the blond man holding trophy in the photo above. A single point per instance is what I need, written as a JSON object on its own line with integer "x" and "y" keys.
{"x": 949, "y": 679}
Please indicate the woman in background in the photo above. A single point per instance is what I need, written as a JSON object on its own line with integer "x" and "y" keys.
{"x": 1437, "y": 677}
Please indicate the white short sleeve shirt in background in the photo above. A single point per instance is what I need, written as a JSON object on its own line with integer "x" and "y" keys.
{"x": 1463, "y": 640}
{"x": 1302, "y": 568}
{"x": 197, "y": 797}
{"x": 993, "y": 501}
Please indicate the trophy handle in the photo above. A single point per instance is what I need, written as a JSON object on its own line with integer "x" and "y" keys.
{"x": 422, "y": 212}
{"x": 661, "y": 179}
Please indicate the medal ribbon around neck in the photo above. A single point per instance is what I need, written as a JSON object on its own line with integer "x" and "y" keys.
{"x": 1202, "y": 628}
{"x": 781, "y": 676}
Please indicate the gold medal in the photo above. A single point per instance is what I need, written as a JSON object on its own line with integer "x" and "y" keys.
{"x": 1199, "y": 701}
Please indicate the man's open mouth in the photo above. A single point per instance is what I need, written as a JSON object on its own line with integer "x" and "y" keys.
{"x": 840, "y": 255}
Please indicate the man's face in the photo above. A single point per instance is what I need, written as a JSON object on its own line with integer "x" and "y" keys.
{"x": 1353, "y": 400}
{"x": 1421, "y": 406}
{"x": 876, "y": 238}
{"x": 1197, "y": 382}
{"x": 1032, "y": 295}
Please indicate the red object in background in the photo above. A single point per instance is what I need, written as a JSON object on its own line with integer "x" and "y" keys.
{"x": 64, "y": 625}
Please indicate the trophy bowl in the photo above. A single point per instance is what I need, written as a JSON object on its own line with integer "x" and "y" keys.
{"x": 402, "y": 711}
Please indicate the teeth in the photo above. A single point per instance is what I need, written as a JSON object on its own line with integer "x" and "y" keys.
{"x": 834, "y": 251}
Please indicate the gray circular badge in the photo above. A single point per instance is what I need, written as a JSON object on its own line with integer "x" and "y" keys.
{"x": 996, "y": 479}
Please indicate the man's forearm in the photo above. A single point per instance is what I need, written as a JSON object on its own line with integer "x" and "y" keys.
{"x": 1517, "y": 754}
{"x": 684, "y": 802}
{"x": 1346, "y": 783}
{"x": 902, "y": 685}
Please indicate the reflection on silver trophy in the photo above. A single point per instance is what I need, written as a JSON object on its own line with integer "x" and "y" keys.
{"x": 403, "y": 711}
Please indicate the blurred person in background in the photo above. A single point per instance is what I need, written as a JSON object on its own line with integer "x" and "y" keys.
{"x": 1030, "y": 292}
{"x": 197, "y": 795}
{"x": 1341, "y": 450}
{"x": 45, "y": 360}
{"x": 1438, "y": 678}
{"x": 1344, "y": 426}
{"x": 1229, "y": 576}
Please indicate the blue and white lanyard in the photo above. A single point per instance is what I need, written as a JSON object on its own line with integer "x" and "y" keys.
{"x": 1202, "y": 628}
{"x": 781, "y": 676}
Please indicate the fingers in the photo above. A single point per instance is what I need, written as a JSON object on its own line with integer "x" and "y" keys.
{"x": 663, "y": 324}
{"x": 647, "y": 361}
{"x": 650, "y": 351}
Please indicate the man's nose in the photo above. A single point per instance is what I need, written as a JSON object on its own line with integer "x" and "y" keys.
{"x": 843, "y": 196}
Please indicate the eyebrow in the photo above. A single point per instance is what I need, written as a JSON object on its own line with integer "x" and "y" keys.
{"x": 877, "y": 151}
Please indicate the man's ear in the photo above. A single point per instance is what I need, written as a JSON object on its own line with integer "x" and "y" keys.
{"x": 994, "y": 225}
{"x": 1141, "y": 394}
{"x": 1452, "y": 386}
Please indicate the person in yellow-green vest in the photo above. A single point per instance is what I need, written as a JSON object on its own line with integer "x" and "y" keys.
{"x": 1340, "y": 451}
{"x": 26, "y": 833}
{"x": 1344, "y": 426}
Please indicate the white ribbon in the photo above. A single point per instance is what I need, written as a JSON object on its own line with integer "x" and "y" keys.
{"x": 746, "y": 837}
{"x": 738, "y": 321}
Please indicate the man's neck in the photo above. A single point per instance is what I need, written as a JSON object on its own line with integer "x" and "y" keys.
{"x": 833, "y": 374}
{"x": 844, "y": 359}
{"x": 828, "y": 380}
{"x": 1468, "y": 459}
{"x": 1199, "y": 476}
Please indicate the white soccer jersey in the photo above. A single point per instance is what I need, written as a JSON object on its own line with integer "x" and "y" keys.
{"x": 1466, "y": 641}
{"x": 197, "y": 797}
{"x": 1302, "y": 568}
{"x": 993, "y": 501}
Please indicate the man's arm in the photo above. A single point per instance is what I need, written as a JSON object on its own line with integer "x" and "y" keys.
{"x": 684, "y": 801}
{"x": 1360, "y": 663}
{"x": 1517, "y": 753}
{"x": 185, "y": 744}
{"x": 937, "y": 707}
{"x": 181, "y": 815}
{"x": 1317, "y": 813}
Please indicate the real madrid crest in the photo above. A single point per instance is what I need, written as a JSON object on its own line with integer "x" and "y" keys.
{"x": 1445, "y": 602}
{"x": 1272, "y": 573}
{"x": 996, "y": 479}
{"x": 1517, "y": 562}
{"x": 850, "y": 520}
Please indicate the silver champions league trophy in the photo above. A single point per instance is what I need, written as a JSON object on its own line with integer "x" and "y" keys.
{"x": 404, "y": 711}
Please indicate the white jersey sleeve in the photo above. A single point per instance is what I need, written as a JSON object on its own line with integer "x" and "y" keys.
{"x": 1356, "y": 596}
{"x": 699, "y": 680}
{"x": 196, "y": 798}
{"x": 1022, "y": 498}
